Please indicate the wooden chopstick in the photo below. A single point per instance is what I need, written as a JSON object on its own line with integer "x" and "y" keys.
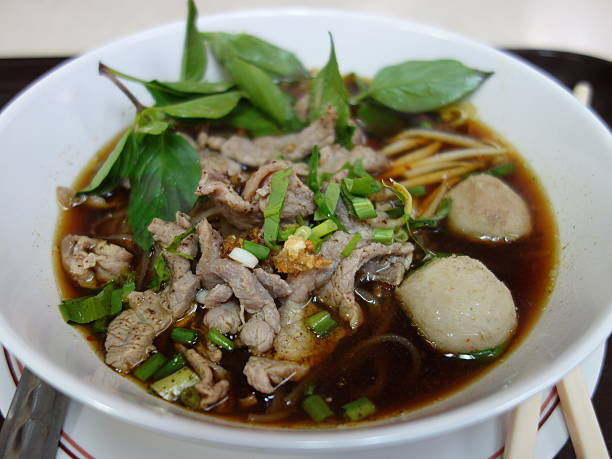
{"x": 578, "y": 411}
{"x": 580, "y": 417}
{"x": 521, "y": 436}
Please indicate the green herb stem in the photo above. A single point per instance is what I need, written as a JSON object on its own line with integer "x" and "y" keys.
{"x": 321, "y": 323}
{"x": 260, "y": 251}
{"x": 382, "y": 235}
{"x": 350, "y": 246}
{"x": 173, "y": 365}
{"x": 359, "y": 409}
{"x": 220, "y": 340}
{"x": 184, "y": 336}
{"x": 317, "y": 408}
{"x": 147, "y": 369}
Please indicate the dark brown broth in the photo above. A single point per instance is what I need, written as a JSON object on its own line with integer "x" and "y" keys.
{"x": 526, "y": 266}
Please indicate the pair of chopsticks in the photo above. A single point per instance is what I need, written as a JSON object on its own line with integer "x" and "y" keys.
{"x": 578, "y": 411}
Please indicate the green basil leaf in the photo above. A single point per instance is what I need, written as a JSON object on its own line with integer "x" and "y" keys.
{"x": 106, "y": 167}
{"x": 246, "y": 116}
{"x": 210, "y": 107}
{"x": 150, "y": 121}
{"x": 263, "y": 93}
{"x": 421, "y": 86}
{"x": 326, "y": 89}
{"x": 172, "y": 92}
{"x": 378, "y": 120}
{"x": 194, "y": 87}
{"x": 276, "y": 61}
{"x": 87, "y": 309}
{"x": 163, "y": 182}
{"x": 193, "y": 64}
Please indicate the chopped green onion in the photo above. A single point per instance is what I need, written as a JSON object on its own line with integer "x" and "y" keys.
{"x": 184, "y": 336}
{"x": 317, "y": 408}
{"x": 278, "y": 190}
{"x": 279, "y": 183}
{"x": 382, "y": 235}
{"x": 286, "y": 231}
{"x": 310, "y": 388}
{"x": 502, "y": 169}
{"x": 303, "y": 231}
{"x": 425, "y": 125}
{"x": 190, "y": 397}
{"x": 170, "y": 387}
{"x": 260, "y": 251}
{"x": 362, "y": 186}
{"x": 400, "y": 235}
{"x": 313, "y": 180}
{"x": 323, "y": 229}
{"x": 150, "y": 367}
{"x": 357, "y": 169}
{"x": 299, "y": 220}
{"x": 348, "y": 248}
{"x": 270, "y": 230}
{"x": 417, "y": 191}
{"x": 483, "y": 355}
{"x": 244, "y": 257}
{"x": 87, "y": 309}
{"x": 332, "y": 194}
{"x": 321, "y": 323}
{"x": 174, "y": 245}
{"x": 359, "y": 409}
{"x": 220, "y": 339}
{"x": 171, "y": 366}
{"x": 100, "y": 325}
{"x": 363, "y": 208}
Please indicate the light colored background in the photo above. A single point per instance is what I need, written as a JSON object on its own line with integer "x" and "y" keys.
{"x": 66, "y": 27}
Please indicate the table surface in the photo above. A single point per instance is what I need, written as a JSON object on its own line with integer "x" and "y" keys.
{"x": 16, "y": 73}
{"x": 68, "y": 27}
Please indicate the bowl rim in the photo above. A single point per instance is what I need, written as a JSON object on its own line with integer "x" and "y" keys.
{"x": 244, "y": 436}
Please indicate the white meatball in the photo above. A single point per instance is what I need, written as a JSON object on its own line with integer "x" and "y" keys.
{"x": 458, "y": 305}
{"x": 486, "y": 208}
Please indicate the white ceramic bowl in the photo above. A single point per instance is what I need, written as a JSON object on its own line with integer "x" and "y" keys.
{"x": 51, "y": 130}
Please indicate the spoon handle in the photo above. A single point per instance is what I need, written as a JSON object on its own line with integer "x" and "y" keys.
{"x": 34, "y": 421}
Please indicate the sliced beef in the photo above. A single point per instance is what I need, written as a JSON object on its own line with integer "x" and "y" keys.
{"x": 225, "y": 318}
{"x": 128, "y": 341}
{"x": 257, "y": 335}
{"x": 211, "y": 392}
{"x": 265, "y": 375}
{"x": 291, "y": 146}
{"x": 93, "y": 262}
{"x": 353, "y": 225}
{"x": 183, "y": 284}
{"x": 338, "y": 292}
{"x": 251, "y": 294}
{"x": 274, "y": 284}
{"x": 213, "y": 160}
{"x": 334, "y": 157}
{"x": 305, "y": 283}
{"x": 243, "y": 214}
{"x": 218, "y": 295}
{"x": 130, "y": 335}
{"x": 390, "y": 270}
{"x": 210, "y": 248}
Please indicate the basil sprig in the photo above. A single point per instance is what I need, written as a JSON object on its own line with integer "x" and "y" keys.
{"x": 193, "y": 64}
{"x": 328, "y": 89}
{"x": 422, "y": 86}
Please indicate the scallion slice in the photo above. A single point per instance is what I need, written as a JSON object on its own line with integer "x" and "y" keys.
{"x": 348, "y": 248}
{"x": 382, "y": 235}
{"x": 260, "y": 251}
{"x": 323, "y": 229}
{"x": 361, "y": 186}
{"x": 286, "y": 231}
{"x": 170, "y": 387}
{"x": 331, "y": 196}
{"x": 184, "y": 336}
{"x": 171, "y": 366}
{"x": 359, "y": 409}
{"x": 321, "y": 323}
{"x": 303, "y": 231}
{"x": 400, "y": 235}
{"x": 150, "y": 367}
{"x": 317, "y": 408}
{"x": 363, "y": 208}
{"x": 190, "y": 397}
{"x": 279, "y": 183}
{"x": 220, "y": 339}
